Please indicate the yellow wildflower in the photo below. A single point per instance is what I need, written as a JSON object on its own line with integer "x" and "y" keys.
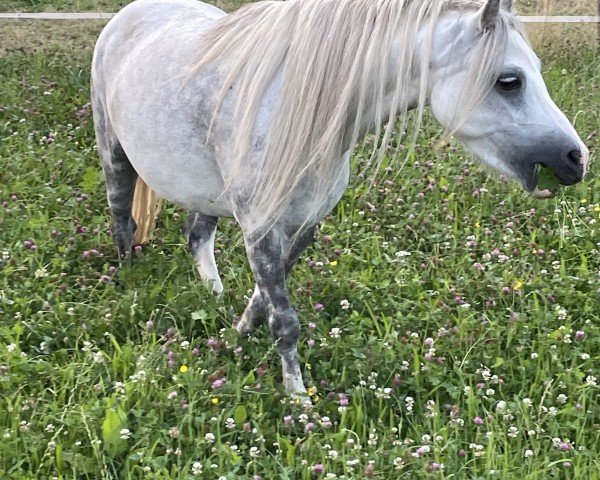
{"x": 183, "y": 368}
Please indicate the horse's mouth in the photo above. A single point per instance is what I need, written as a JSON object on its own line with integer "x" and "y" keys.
{"x": 540, "y": 181}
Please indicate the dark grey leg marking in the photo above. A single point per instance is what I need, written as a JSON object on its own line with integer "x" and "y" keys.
{"x": 302, "y": 242}
{"x": 200, "y": 231}
{"x": 256, "y": 311}
{"x": 269, "y": 267}
{"x": 120, "y": 178}
{"x": 120, "y": 187}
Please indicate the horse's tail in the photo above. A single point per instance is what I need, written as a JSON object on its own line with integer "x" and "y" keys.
{"x": 145, "y": 209}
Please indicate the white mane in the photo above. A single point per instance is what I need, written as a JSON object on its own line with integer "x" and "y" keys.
{"x": 335, "y": 56}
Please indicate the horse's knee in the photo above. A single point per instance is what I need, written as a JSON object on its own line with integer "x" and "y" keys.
{"x": 285, "y": 328}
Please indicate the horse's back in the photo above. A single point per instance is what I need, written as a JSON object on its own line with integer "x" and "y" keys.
{"x": 145, "y": 21}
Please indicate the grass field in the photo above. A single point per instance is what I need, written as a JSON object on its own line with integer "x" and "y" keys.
{"x": 450, "y": 323}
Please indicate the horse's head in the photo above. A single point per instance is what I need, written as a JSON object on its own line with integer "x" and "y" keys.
{"x": 514, "y": 126}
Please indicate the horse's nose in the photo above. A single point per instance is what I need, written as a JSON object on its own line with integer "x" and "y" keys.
{"x": 573, "y": 168}
{"x": 575, "y": 156}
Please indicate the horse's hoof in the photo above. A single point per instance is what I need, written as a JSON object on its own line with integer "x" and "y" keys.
{"x": 243, "y": 328}
{"x": 301, "y": 398}
{"x": 126, "y": 258}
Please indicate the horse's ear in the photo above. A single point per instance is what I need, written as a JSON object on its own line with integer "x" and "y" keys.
{"x": 489, "y": 14}
{"x": 507, "y": 5}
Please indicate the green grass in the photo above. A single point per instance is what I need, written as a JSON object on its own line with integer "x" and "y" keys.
{"x": 88, "y": 348}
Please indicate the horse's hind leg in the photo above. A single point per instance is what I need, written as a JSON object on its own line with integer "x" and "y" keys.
{"x": 120, "y": 186}
{"x": 200, "y": 231}
{"x": 256, "y": 311}
{"x": 120, "y": 179}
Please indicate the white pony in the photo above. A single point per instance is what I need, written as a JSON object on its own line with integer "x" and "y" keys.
{"x": 253, "y": 115}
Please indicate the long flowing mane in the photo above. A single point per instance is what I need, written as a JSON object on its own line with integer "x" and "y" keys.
{"x": 335, "y": 57}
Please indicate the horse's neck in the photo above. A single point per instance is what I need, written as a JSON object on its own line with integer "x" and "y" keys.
{"x": 370, "y": 118}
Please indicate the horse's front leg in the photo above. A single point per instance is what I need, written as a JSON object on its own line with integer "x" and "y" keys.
{"x": 256, "y": 311}
{"x": 267, "y": 259}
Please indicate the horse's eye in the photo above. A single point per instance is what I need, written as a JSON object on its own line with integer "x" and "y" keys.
{"x": 509, "y": 82}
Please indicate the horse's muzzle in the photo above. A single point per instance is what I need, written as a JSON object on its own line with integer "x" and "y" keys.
{"x": 565, "y": 159}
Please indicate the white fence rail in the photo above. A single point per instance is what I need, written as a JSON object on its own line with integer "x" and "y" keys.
{"x": 560, "y": 19}
{"x": 57, "y": 16}
{"x": 107, "y": 16}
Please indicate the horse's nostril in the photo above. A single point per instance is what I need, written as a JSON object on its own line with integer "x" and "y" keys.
{"x": 575, "y": 156}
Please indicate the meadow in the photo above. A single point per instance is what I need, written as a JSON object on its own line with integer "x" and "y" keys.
{"x": 451, "y": 323}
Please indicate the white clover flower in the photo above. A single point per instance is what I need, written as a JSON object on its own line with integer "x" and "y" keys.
{"x": 335, "y": 332}
{"x": 98, "y": 357}
{"x": 303, "y": 418}
{"x": 41, "y": 273}
{"x": 561, "y": 399}
{"x": 410, "y": 402}
{"x": 196, "y": 468}
{"x": 382, "y": 392}
{"x": 345, "y": 304}
{"x": 209, "y": 437}
{"x": 254, "y": 452}
{"x": 528, "y": 453}
{"x": 477, "y": 449}
{"x": 561, "y": 313}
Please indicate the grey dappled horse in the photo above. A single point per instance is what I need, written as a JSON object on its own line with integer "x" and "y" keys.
{"x": 253, "y": 115}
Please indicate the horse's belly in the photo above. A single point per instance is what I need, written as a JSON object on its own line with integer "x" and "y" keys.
{"x": 189, "y": 178}
{"x": 302, "y": 200}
